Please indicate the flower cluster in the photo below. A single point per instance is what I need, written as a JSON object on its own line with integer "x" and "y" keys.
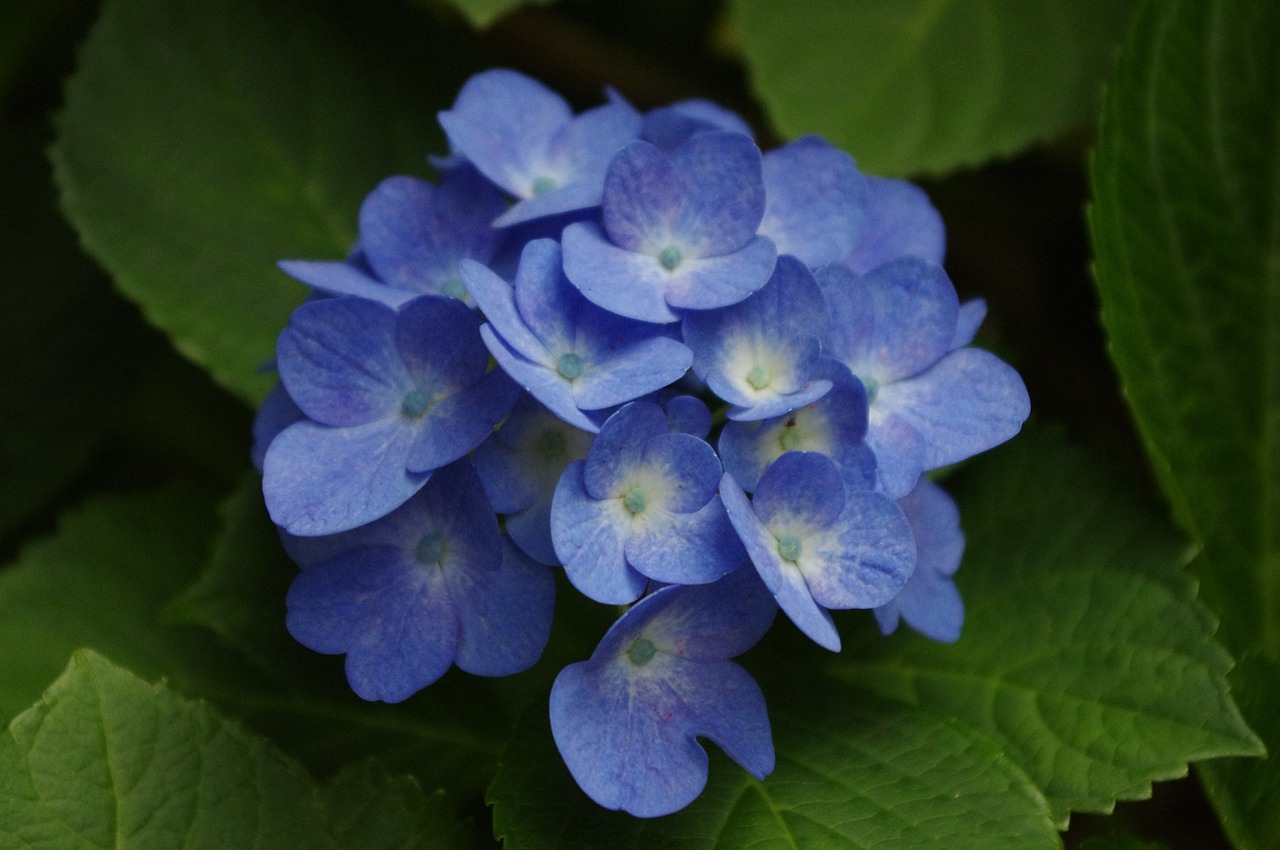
{"x": 707, "y": 382}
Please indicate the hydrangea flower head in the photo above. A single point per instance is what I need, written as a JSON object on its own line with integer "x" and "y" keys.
{"x": 930, "y": 602}
{"x": 627, "y": 720}
{"x": 679, "y": 230}
{"x": 430, "y": 585}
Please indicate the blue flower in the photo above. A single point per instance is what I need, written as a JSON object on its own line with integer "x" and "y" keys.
{"x": 680, "y": 230}
{"x": 388, "y": 396}
{"x": 818, "y": 547}
{"x": 815, "y": 201}
{"x": 642, "y": 506}
{"x": 670, "y": 126}
{"x": 430, "y": 585}
{"x": 834, "y": 425}
{"x": 520, "y": 465}
{"x": 412, "y": 235}
{"x": 760, "y": 354}
{"x": 571, "y": 355}
{"x": 930, "y": 602}
{"x": 627, "y": 721}
{"x": 899, "y": 222}
{"x": 931, "y": 403}
{"x": 525, "y": 138}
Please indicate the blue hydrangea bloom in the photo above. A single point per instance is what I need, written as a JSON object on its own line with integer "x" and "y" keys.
{"x": 834, "y": 425}
{"x": 388, "y": 396}
{"x": 276, "y": 413}
{"x": 520, "y": 466}
{"x": 815, "y": 201}
{"x": 760, "y": 354}
{"x": 930, "y": 602}
{"x": 818, "y": 547}
{"x": 679, "y": 230}
{"x": 627, "y": 721}
{"x": 643, "y": 505}
{"x": 526, "y": 139}
{"x": 430, "y": 585}
{"x": 930, "y": 404}
{"x": 670, "y": 126}
{"x": 571, "y": 355}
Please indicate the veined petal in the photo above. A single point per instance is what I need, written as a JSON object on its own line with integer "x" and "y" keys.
{"x": 620, "y": 281}
{"x": 341, "y": 278}
{"x": 504, "y": 614}
{"x": 589, "y": 536}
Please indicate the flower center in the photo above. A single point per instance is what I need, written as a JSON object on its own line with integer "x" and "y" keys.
{"x": 670, "y": 257}
{"x": 415, "y": 404}
{"x": 542, "y": 184}
{"x": 758, "y": 377}
{"x": 430, "y": 550}
{"x": 569, "y": 365}
{"x": 635, "y": 500}
{"x": 789, "y": 547}
{"x": 641, "y": 652}
{"x": 454, "y": 288}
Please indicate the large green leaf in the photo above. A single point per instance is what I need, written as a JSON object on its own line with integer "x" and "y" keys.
{"x": 106, "y": 760}
{"x": 1186, "y": 226}
{"x": 202, "y": 142}
{"x": 873, "y": 774}
{"x": 1086, "y": 671}
{"x": 929, "y": 85}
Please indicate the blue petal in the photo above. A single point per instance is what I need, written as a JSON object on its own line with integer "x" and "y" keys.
{"x": 801, "y": 489}
{"x": 643, "y": 194}
{"x": 687, "y": 548}
{"x": 972, "y": 312}
{"x": 542, "y": 382}
{"x": 395, "y": 623}
{"x": 276, "y": 413}
{"x": 524, "y": 458}
{"x": 632, "y": 368}
{"x": 344, "y": 278}
{"x": 546, "y": 301}
{"x": 503, "y": 122}
{"x": 815, "y": 201}
{"x": 414, "y": 233}
{"x": 724, "y": 193}
{"x": 900, "y": 222}
{"x": 619, "y": 447}
{"x": 620, "y": 281}
{"x": 707, "y": 283}
{"x": 530, "y": 529}
{"x": 460, "y": 422}
{"x": 504, "y": 614}
{"x": 782, "y": 578}
{"x": 930, "y": 602}
{"x": 687, "y": 414}
{"x": 969, "y": 402}
{"x": 439, "y": 341}
{"x": 320, "y": 480}
{"x": 496, "y": 300}
{"x": 863, "y": 558}
{"x": 669, "y": 127}
{"x": 712, "y": 622}
{"x": 589, "y": 535}
{"x": 900, "y": 453}
{"x": 893, "y": 322}
{"x": 338, "y": 361}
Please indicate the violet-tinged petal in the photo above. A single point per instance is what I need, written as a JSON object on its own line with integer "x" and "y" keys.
{"x": 338, "y": 361}
{"x": 456, "y": 424}
{"x": 930, "y": 602}
{"x": 633, "y": 369}
{"x": 688, "y": 415}
{"x": 893, "y": 322}
{"x": 815, "y": 199}
{"x": 439, "y": 342}
{"x": 496, "y": 300}
{"x": 863, "y": 558}
{"x": 546, "y": 302}
{"x": 643, "y": 196}
{"x": 342, "y": 278}
{"x": 589, "y": 535}
{"x": 900, "y": 452}
{"x": 503, "y": 122}
{"x": 631, "y": 741}
{"x": 321, "y": 480}
{"x": 710, "y": 282}
{"x": 539, "y": 380}
{"x": 620, "y": 281}
{"x": 724, "y": 194}
{"x": 969, "y": 319}
{"x": 396, "y": 625}
{"x": 504, "y": 614}
{"x": 969, "y": 402}
{"x": 713, "y": 622}
{"x": 782, "y": 578}
{"x": 553, "y": 202}
{"x": 799, "y": 489}
{"x": 619, "y": 446}
{"x": 668, "y": 127}
{"x": 687, "y": 548}
{"x": 414, "y": 233}
{"x": 277, "y": 412}
{"x": 900, "y": 222}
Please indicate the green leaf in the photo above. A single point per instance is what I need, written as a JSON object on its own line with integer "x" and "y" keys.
{"x": 99, "y": 582}
{"x": 201, "y": 143}
{"x": 1186, "y": 229}
{"x": 1086, "y": 671}
{"x": 1085, "y": 656}
{"x": 929, "y": 85}
{"x": 874, "y": 773}
{"x": 484, "y": 12}
{"x": 107, "y": 760}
